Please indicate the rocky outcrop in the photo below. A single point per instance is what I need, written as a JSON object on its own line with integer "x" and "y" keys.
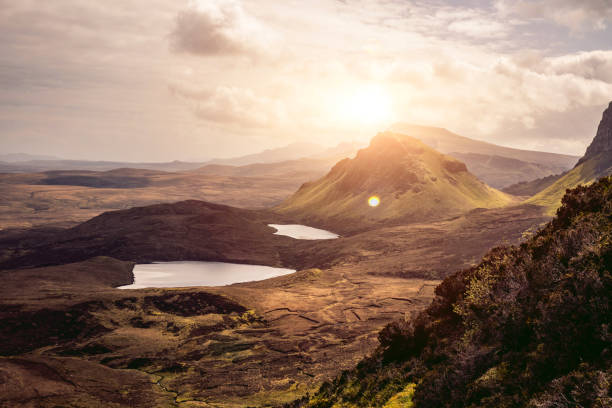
{"x": 603, "y": 139}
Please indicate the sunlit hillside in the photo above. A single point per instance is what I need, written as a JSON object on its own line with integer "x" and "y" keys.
{"x": 412, "y": 181}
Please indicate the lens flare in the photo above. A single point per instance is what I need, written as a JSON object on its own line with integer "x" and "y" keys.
{"x": 373, "y": 201}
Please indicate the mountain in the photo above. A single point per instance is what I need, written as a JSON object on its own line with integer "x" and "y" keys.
{"x": 306, "y": 158}
{"x": 413, "y": 182}
{"x": 291, "y": 151}
{"x": 498, "y": 166}
{"x": 304, "y": 169}
{"x": 35, "y": 166}
{"x": 527, "y": 327}
{"x": 20, "y": 157}
{"x": 529, "y": 188}
{"x": 596, "y": 163}
{"x": 186, "y": 230}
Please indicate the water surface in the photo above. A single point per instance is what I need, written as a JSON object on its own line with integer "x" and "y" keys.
{"x": 190, "y": 273}
{"x": 302, "y": 232}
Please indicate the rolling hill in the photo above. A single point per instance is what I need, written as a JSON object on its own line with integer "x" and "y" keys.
{"x": 527, "y": 327}
{"x": 496, "y": 165}
{"x": 413, "y": 182}
{"x": 596, "y": 163}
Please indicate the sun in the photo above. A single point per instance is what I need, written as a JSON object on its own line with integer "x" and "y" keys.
{"x": 368, "y": 104}
{"x": 373, "y": 201}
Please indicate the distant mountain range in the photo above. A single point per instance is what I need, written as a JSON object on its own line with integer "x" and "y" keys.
{"x": 292, "y": 151}
{"x": 19, "y": 157}
{"x": 36, "y": 166}
{"x": 317, "y": 154}
{"x": 496, "y": 165}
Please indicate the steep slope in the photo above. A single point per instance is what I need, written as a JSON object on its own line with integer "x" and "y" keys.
{"x": 498, "y": 166}
{"x": 527, "y": 327}
{"x": 412, "y": 181}
{"x": 596, "y": 163}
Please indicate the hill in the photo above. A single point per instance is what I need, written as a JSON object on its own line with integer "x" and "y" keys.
{"x": 596, "y": 163}
{"x": 300, "y": 161}
{"x": 529, "y": 188}
{"x": 527, "y": 327}
{"x": 293, "y": 151}
{"x": 187, "y": 230}
{"x": 413, "y": 182}
{"x": 498, "y": 166}
{"x": 289, "y": 152}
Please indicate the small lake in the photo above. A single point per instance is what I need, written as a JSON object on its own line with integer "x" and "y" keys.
{"x": 188, "y": 273}
{"x": 302, "y": 232}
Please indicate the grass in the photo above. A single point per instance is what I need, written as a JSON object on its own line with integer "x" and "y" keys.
{"x": 402, "y": 399}
{"x": 411, "y": 179}
{"x": 550, "y": 197}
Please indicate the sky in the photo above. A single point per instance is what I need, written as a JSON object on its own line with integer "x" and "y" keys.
{"x": 161, "y": 80}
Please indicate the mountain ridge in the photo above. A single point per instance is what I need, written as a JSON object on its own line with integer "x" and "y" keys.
{"x": 488, "y": 161}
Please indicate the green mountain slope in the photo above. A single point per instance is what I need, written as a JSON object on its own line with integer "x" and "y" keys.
{"x": 596, "y": 163}
{"x": 413, "y": 181}
{"x": 527, "y": 327}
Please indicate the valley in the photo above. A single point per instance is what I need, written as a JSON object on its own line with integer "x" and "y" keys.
{"x": 328, "y": 204}
{"x": 275, "y": 340}
{"x": 72, "y": 338}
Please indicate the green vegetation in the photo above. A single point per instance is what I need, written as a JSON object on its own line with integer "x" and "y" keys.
{"x": 583, "y": 174}
{"x": 527, "y": 327}
{"x": 533, "y": 187}
{"x": 414, "y": 183}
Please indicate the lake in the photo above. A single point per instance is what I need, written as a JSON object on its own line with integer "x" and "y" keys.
{"x": 302, "y": 232}
{"x": 191, "y": 273}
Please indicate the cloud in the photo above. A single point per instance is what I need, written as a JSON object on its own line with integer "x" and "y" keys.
{"x": 580, "y": 15}
{"x": 593, "y": 65}
{"x": 209, "y": 28}
{"x": 233, "y": 106}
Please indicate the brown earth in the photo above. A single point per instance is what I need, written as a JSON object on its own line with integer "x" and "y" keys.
{"x": 69, "y": 338}
{"x": 66, "y": 198}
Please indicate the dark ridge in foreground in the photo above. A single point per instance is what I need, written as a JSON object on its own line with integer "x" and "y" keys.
{"x": 528, "y": 327}
{"x": 187, "y": 230}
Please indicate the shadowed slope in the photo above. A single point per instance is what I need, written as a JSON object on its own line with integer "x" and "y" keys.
{"x": 187, "y": 230}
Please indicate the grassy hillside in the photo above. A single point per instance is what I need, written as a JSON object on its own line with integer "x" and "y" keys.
{"x": 584, "y": 173}
{"x": 533, "y": 187}
{"x": 527, "y": 327}
{"x": 413, "y": 181}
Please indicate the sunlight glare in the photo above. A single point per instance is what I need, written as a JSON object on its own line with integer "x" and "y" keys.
{"x": 373, "y": 201}
{"x": 367, "y": 105}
